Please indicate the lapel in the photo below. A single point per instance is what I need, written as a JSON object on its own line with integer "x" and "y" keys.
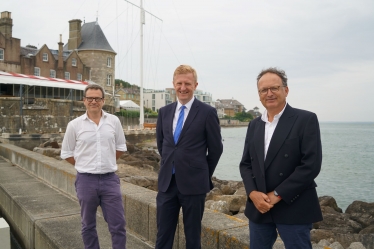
{"x": 281, "y": 132}
{"x": 259, "y": 135}
{"x": 191, "y": 116}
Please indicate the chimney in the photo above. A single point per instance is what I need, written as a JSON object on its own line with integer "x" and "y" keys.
{"x": 6, "y": 24}
{"x": 60, "y": 63}
{"x": 75, "y": 37}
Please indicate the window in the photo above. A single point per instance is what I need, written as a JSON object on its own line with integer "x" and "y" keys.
{"x": 79, "y": 76}
{"x": 153, "y": 96}
{"x": 74, "y": 62}
{"x": 67, "y": 76}
{"x": 1, "y": 54}
{"x": 109, "y": 62}
{"x": 109, "y": 80}
{"x": 36, "y": 71}
{"x": 162, "y": 96}
{"x": 52, "y": 73}
{"x": 45, "y": 57}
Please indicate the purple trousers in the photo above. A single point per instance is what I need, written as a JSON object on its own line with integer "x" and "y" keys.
{"x": 104, "y": 190}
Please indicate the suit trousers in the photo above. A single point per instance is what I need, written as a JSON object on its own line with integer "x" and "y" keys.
{"x": 104, "y": 190}
{"x": 168, "y": 207}
{"x": 263, "y": 236}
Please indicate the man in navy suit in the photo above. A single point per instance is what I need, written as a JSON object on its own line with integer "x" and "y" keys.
{"x": 282, "y": 157}
{"x": 190, "y": 144}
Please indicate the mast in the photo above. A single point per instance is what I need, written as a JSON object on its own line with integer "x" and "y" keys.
{"x": 142, "y": 22}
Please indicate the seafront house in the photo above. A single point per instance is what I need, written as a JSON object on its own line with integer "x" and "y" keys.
{"x": 229, "y": 107}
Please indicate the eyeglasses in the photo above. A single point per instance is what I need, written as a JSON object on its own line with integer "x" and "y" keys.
{"x": 273, "y": 89}
{"x": 90, "y": 99}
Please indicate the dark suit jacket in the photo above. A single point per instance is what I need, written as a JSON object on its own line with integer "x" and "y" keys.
{"x": 292, "y": 163}
{"x": 197, "y": 152}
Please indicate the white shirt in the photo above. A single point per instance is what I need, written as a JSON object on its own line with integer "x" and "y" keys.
{"x": 178, "y": 110}
{"x": 94, "y": 146}
{"x": 270, "y": 127}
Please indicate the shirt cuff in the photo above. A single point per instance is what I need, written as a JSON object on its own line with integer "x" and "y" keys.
{"x": 66, "y": 154}
{"x": 121, "y": 147}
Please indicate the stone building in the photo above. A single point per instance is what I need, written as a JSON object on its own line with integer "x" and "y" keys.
{"x": 230, "y": 106}
{"x": 86, "y": 57}
{"x": 92, "y": 47}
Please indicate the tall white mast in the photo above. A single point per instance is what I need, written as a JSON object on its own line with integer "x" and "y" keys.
{"x": 142, "y": 22}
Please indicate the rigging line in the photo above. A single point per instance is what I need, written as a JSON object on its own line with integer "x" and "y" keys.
{"x": 119, "y": 73}
{"x": 130, "y": 47}
{"x": 184, "y": 32}
{"x": 74, "y": 15}
{"x": 171, "y": 48}
{"x": 149, "y": 49}
{"x": 158, "y": 55}
{"x": 116, "y": 18}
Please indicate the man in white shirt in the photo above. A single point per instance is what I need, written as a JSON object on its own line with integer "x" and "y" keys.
{"x": 282, "y": 157}
{"x": 92, "y": 143}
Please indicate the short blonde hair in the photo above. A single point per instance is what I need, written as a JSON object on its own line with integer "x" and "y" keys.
{"x": 184, "y": 69}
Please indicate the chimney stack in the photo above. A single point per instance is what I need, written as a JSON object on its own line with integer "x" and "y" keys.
{"x": 60, "y": 63}
{"x": 75, "y": 37}
{"x": 6, "y": 24}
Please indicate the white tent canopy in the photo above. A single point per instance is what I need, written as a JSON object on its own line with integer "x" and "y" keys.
{"x": 129, "y": 105}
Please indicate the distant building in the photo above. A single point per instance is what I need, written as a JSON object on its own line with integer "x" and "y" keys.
{"x": 204, "y": 97}
{"x": 132, "y": 94}
{"x": 255, "y": 112}
{"x": 229, "y": 106}
{"x": 155, "y": 99}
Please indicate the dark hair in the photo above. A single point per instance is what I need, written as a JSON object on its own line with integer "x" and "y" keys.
{"x": 95, "y": 87}
{"x": 281, "y": 73}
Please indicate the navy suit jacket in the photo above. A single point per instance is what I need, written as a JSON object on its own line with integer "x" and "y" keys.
{"x": 292, "y": 163}
{"x": 196, "y": 153}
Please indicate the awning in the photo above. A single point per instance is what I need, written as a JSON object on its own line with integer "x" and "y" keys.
{"x": 31, "y": 80}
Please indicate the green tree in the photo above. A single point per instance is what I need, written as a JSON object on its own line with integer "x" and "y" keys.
{"x": 243, "y": 116}
{"x": 125, "y": 84}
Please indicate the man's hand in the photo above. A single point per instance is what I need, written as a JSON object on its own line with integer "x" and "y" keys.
{"x": 262, "y": 201}
{"x": 273, "y": 199}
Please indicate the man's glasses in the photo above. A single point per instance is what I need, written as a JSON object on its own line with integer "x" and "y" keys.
{"x": 273, "y": 89}
{"x": 90, "y": 99}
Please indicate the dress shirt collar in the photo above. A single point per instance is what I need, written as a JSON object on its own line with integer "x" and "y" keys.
{"x": 264, "y": 116}
{"x": 188, "y": 105}
{"x": 85, "y": 116}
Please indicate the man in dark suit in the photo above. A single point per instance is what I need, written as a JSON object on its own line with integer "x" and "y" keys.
{"x": 190, "y": 144}
{"x": 282, "y": 157}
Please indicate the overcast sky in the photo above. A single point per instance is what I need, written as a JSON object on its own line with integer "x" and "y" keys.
{"x": 325, "y": 46}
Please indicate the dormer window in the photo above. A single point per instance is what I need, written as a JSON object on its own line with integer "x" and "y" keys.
{"x": 36, "y": 71}
{"x": 45, "y": 57}
{"x": 1, "y": 54}
{"x": 109, "y": 62}
{"x": 74, "y": 62}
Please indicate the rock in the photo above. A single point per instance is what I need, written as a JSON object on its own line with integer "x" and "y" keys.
{"x": 240, "y": 191}
{"x": 356, "y": 245}
{"x": 227, "y": 190}
{"x": 336, "y": 245}
{"x": 367, "y": 230}
{"x": 279, "y": 244}
{"x": 338, "y": 223}
{"x": 317, "y": 235}
{"x": 241, "y": 216}
{"x": 329, "y": 210}
{"x": 324, "y": 242}
{"x": 361, "y": 212}
{"x": 330, "y": 202}
{"x": 316, "y": 246}
{"x": 142, "y": 181}
{"x": 220, "y": 206}
{"x": 234, "y": 202}
{"x": 215, "y": 191}
{"x": 242, "y": 209}
{"x": 50, "y": 152}
{"x": 208, "y": 204}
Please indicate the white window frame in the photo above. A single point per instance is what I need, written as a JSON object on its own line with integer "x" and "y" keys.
{"x": 109, "y": 62}
{"x": 67, "y": 76}
{"x": 37, "y": 71}
{"x": 52, "y": 73}
{"x": 109, "y": 80}
{"x": 79, "y": 76}
{"x": 74, "y": 62}
{"x": 1, "y": 54}
{"x": 45, "y": 57}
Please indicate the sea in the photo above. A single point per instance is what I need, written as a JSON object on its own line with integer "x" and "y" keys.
{"x": 347, "y": 172}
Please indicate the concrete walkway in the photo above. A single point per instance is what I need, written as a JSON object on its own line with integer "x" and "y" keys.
{"x": 43, "y": 217}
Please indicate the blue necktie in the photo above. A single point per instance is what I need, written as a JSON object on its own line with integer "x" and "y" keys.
{"x": 178, "y": 129}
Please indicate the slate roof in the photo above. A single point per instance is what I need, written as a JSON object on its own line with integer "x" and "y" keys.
{"x": 26, "y": 51}
{"x": 93, "y": 38}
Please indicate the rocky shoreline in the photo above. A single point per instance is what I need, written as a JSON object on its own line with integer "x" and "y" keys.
{"x": 353, "y": 229}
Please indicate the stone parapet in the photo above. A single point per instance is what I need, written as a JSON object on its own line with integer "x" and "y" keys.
{"x": 49, "y": 218}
